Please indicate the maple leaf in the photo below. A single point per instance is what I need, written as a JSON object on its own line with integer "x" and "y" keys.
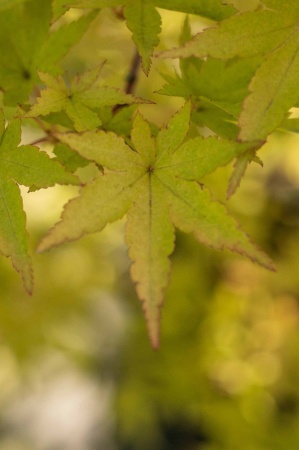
{"x": 155, "y": 182}
{"x": 79, "y": 99}
{"x": 28, "y": 166}
{"x": 274, "y": 88}
{"x": 28, "y": 45}
{"x": 217, "y": 100}
{"x": 144, "y": 21}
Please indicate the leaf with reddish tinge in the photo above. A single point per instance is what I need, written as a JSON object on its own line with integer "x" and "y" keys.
{"x": 156, "y": 182}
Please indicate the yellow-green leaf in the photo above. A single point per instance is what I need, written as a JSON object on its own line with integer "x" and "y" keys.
{"x": 80, "y": 100}
{"x": 156, "y": 191}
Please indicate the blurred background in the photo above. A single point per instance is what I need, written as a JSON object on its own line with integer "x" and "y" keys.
{"x": 76, "y": 368}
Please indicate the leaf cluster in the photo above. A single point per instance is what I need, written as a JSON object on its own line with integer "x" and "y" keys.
{"x": 238, "y": 78}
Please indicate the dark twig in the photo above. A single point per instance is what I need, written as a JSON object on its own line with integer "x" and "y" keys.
{"x": 41, "y": 140}
{"x": 131, "y": 78}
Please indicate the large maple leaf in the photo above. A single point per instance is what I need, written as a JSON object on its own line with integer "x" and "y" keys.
{"x": 155, "y": 182}
{"x": 271, "y": 31}
{"x": 144, "y": 21}
{"x": 27, "y": 166}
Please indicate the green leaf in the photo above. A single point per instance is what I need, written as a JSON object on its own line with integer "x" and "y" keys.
{"x": 28, "y": 45}
{"x": 28, "y": 166}
{"x": 218, "y": 100}
{"x": 80, "y": 99}
{"x": 13, "y": 236}
{"x": 59, "y": 42}
{"x": 271, "y": 96}
{"x": 242, "y": 35}
{"x": 274, "y": 88}
{"x": 151, "y": 181}
{"x": 145, "y": 23}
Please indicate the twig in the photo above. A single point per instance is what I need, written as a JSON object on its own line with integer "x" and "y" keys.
{"x": 41, "y": 140}
{"x": 131, "y": 78}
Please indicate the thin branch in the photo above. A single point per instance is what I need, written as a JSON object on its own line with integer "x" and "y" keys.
{"x": 131, "y": 78}
{"x": 41, "y": 140}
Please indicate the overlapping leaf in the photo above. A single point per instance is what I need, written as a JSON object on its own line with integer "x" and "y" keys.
{"x": 79, "y": 99}
{"x": 28, "y": 166}
{"x": 218, "y": 99}
{"x": 144, "y": 21}
{"x": 28, "y": 45}
{"x": 155, "y": 182}
{"x": 272, "y": 32}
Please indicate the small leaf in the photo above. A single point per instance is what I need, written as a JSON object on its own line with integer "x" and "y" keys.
{"x": 144, "y": 21}
{"x": 80, "y": 100}
{"x": 217, "y": 100}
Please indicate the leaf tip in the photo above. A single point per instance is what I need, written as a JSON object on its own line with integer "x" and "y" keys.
{"x": 153, "y": 329}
